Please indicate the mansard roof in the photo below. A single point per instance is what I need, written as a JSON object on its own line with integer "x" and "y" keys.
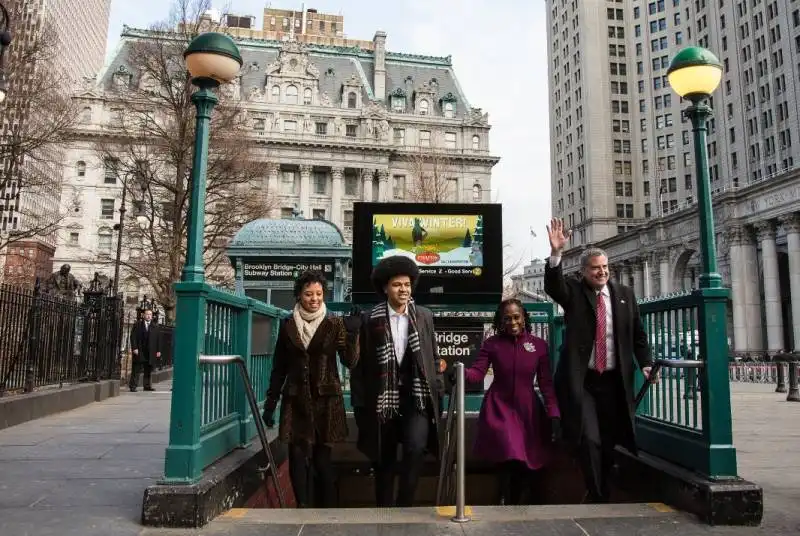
{"x": 336, "y": 65}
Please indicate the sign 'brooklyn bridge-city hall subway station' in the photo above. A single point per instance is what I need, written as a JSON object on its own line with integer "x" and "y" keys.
{"x": 271, "y": 279}
{"x": 285, "y": 270}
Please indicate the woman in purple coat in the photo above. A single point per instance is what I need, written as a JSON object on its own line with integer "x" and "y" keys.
{"x": 512, "y": 431}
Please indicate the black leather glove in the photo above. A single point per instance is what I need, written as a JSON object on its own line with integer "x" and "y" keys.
{"x": 352, "y": 322}
{"x": 451, "y": 376}
{"x": 555, "y": 429}
{"x": 269, "y": 418}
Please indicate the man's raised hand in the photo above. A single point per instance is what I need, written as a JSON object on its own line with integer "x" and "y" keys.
{"x": 557, "y": 235}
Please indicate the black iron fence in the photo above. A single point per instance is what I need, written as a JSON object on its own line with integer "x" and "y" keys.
{"x": 50, "y": 340}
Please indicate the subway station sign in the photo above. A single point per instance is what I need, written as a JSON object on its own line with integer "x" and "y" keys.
{"x": 284, "y": 269}
{"x": 459, "y": 339}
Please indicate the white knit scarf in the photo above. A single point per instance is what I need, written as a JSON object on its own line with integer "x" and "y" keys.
{"x": 307, "y": 322}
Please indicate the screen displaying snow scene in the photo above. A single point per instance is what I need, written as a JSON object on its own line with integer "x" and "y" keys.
{"x": 439, "y": 244}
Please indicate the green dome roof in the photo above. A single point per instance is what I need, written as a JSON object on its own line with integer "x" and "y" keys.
{"x": 280, "y": 233}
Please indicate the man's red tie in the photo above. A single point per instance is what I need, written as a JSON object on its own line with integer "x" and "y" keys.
{"x": 600, "y": 350}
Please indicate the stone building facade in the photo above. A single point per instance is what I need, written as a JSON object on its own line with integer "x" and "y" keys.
{"x": 331, "y": 125}
{"x": 758, "y": 252}
{"x": 531, "y": 280}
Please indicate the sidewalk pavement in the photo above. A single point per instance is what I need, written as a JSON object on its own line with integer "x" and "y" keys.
{"x": 83, "y": 473}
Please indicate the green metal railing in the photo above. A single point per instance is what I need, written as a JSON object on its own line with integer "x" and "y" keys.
{"x": 209, "y": 414}
{"x": 686, "y": 417}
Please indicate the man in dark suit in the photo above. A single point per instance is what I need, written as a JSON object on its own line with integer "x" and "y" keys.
{"x": 396, "y": 386}
{"x": 145, "y": 346}
{"x": 594, "y": 376}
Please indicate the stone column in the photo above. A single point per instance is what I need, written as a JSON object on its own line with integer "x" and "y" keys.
{"x": 738, "y": 288}
{"x": 664, "y": 286}
{"x": 638, "y": 278}
{"x": 336, "y": 195}
{"x": 647, "y": 278}
{"x": 305, "y": 190}
{"x": 273, "y": 170}
{"x": 622, "y": 273}
{"x": 383, "y": 185}
{"x": 772, "y": 285}
{"x": 791, "y": 224}
{"x": 752, "y": 293}
{"x": 366, "y": 176}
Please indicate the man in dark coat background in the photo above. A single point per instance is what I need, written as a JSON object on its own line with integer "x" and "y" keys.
{"x": 396, "y": 386}
{"x": 594, "y": 376}
{"x": 145, "y": 345}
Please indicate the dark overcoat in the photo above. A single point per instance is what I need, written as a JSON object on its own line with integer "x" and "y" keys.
{"x": 579, "y": 302}
{"x": 308, "y": 382}
{"x": 365, "y": 381}
{"x": 148, "y": 343}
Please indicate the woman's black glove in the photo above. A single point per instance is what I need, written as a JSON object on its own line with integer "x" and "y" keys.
{"x": 352, "y": 322}
{"x": 555, "y": 429}
{"x": 269, "y": 418}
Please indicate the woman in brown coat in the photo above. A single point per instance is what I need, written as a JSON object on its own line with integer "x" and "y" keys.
{"x": 305, "y": 374}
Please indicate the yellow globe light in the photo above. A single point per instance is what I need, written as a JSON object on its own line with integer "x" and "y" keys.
{"x": 694, "y": 72}
{"x": 213, "y": 56}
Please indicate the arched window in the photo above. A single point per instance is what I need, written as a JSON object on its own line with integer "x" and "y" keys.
{"x": 307, "y": 96}
{"x": 132, "y": 289}
{"x": 423, "y": 107}
{"x": 291, "y": 95}
{"x": 276, "y": 93}
{"x": 351, "y": 100}
{"x": 80, "y": 168}
{"x": 449, "y": 110}
{"x": 104, "y": 239}
{"x": 476, "y": 142}
{"x": 477, "y": 193}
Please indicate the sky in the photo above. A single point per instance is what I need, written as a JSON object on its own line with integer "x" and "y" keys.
{"x": 499, "y": 51}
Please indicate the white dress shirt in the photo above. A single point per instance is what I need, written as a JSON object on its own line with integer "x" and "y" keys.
{"x": 399, "y": 325}
{"x": 605, "y": 295}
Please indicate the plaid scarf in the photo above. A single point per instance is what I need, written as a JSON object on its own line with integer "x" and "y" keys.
{"x": 389, "y": 393}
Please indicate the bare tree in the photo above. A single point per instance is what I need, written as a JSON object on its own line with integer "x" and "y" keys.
{"x": 510, "y": 261}
{"x": 37, "y": 116}
{"x": 152, "y": 155}
{"x": 430, "y": 170}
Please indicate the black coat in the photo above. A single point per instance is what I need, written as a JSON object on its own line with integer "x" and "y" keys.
{"x": 147, "y": 343}
{"x": 630, "y": 341}
{"x": 364, "y": 382}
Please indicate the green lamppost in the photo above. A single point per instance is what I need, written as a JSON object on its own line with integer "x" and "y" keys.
{"x": 212, "y": 59}
{"x": 694, "y": 74}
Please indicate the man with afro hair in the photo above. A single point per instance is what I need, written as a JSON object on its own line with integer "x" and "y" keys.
{"x": 396, "y": 387}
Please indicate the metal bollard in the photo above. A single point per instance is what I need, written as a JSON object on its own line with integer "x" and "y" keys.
{"x": 781, "y": 387}
{"x": 794, "y": 391}
{"x": 461, "y": 455}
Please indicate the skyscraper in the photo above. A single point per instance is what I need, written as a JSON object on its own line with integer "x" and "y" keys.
{"x": 56, "y": 44}
{"x": 621, "y": 153}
